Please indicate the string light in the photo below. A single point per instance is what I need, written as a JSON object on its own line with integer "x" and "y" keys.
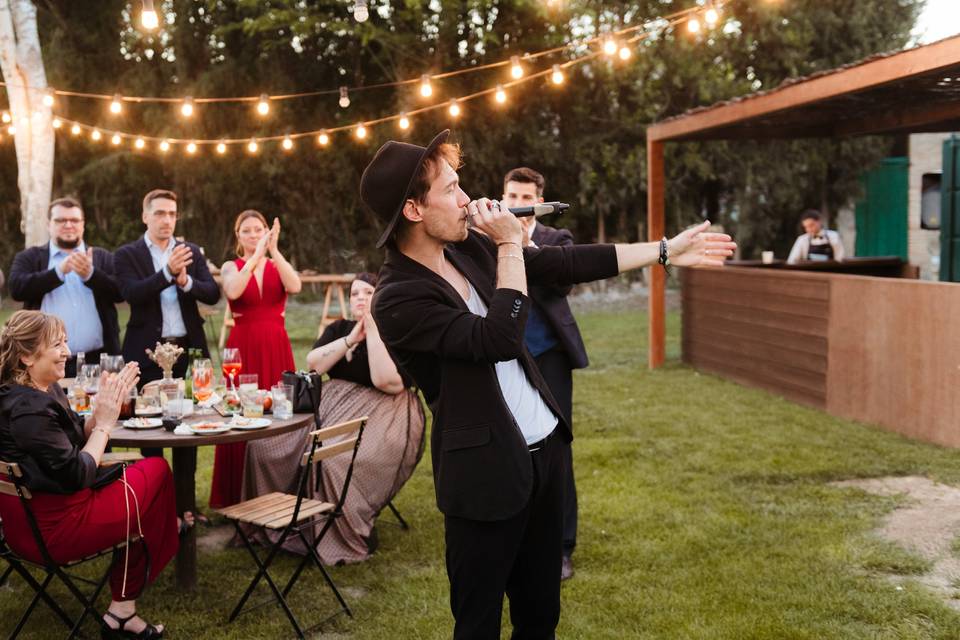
{"x": 344, "y": 97}
{"x": 149, "y": 18}
{"x": 191, "y": 148}
{"x": 360, "y": 10}
{"x": 609, "y": 46}
{"x": 516, "y": 71}
{"x": 426, "y": 89}
{"x": 263, "y": 104}
{"x": 186, "y": 109}
{"x": 454, "y": 108}
{"x": 57, "y": 123}
{"x": 139, "y": 143}
{"x": 693, "y": 25}
{"x": 252, "y": 146}
{"x": 501, "y": 95}
{"x": 287, "y": 143}
{"x": 6, "y": 117}
{"x": 116, "y": 105}
{"x": 221, "y": 148}
{"x": 12, "y": 130}
{"x": 556, "y": 76}
{"x": 404, "y": 122}
{"x": 624, "y": 53}
{"x": 116, "y": 139}
{"x": 361, "y": 131}
{"x": 164, "y": 146}
{"x": 711, "y": 16}
{"x": 48, "y": 98}
{"x": 75, "y": 129}
{"x": 323, "y": 139}
{"x": 95, "y": 135}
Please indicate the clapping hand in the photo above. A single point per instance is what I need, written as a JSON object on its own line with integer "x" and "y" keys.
{"x": 696, "y": 247}
{"x": 78, "y": 262}
{"x": 359, "y": 332}
{"x": 114, "y": 388}
{"x": 180, "y": 259}
{"x": 274, "y": 235}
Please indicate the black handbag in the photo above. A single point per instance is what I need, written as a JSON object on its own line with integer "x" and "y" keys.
{"x": 306, "y": 391}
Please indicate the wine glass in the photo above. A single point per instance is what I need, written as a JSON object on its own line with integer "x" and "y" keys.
{"x": 111, "y": 364}
{"x": 232, "y": 365}
{"x": 202, "y": 379}
{"x": 91, "y": 379}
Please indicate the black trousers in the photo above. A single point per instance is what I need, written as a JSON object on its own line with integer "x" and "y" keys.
{"x": 555, "y": 367}
{"x": 519, "y": 556}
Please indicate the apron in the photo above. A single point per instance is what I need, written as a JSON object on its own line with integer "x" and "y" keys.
{"x": 820, "y": 249}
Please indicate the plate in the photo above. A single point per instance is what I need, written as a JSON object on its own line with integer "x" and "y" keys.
{"x": 248, "y": 424}
{"x": 142, "y": 423}
{"x": 208, "y": 428}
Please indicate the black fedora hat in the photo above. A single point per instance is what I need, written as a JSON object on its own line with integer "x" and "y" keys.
{"x": 388, "y": 179}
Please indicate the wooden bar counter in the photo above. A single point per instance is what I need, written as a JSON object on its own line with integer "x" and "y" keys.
{"x": 875, "y": 349}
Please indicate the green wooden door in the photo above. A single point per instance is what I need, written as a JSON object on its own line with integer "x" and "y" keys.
{"x": 882, "y": 214}
{"x": 950, "y": 212}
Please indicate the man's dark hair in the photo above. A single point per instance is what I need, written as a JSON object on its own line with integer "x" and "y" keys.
{"x": 810, "y": 214}
{"x": 429, "y": 170}
{"x": 525, "y": 175}
{"x": 156, "y": 194}
{"x": 67, "y": 202}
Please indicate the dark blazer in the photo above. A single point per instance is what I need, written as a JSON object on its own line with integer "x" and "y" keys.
{"x": 552, "y": 299}
{"x": 141, "y": 284}
{"x": 30, "y": 280}
{"x": 481, "y": 465}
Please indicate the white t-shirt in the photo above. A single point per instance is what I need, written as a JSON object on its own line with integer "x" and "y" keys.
{"x": 533, "y": 416}
{"x": 801, "y": 248}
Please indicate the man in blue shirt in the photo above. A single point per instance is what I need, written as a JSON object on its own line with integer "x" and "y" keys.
{"x": 72, "y": 281}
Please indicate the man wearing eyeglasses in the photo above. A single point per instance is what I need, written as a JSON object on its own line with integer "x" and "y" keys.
{"x": 72, "y": 281}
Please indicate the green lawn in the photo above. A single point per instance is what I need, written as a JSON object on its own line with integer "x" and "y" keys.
{"x": 705, "y": 512}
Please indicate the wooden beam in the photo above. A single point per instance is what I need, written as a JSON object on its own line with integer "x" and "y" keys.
{"x": 915, "y": 62}
{"x": 943, "y": 116}
{"x": 655, "y": 231}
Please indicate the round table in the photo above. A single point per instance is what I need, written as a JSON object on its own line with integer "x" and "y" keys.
{"x": 185, "y": 467}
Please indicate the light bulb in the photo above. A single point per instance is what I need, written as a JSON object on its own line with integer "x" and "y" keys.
{"x": 404, "y": 122}
{"x": 624, "y": 53}
{"x": 12, "y": 130}
{"x": 287, "y": 143}
{"x": 609, "y": 46}
{"x": 323, "y": 139}
{"x": 95, "y": 135}
{"x": 57, "y": 123}
{"x": 693, "y": 25}
{"x": 149, "y": 18}
{"x": 221, "y": 148}
{"x": 711, "y": 16}
{"x": 361, "y": 131}
{"x": 557, "y": 76}
{"x": 344, "y": 97}
{"x": 6, "y": 117}
{"x": 75, "y": 129}
{"x": 454, "y": 108}
{"x": 116, "y": 105}
{"x": 48, "y": 98}
{"x": 263, "y": 105}
{"x": 164, "y": 146}
{"x": 516, "y": 71}
{"x": 191, "y": 148}
{"x": 426, "y": 89}
{"x": 186, "y": 109}
{"x": 501, "y": 95}
{"x": 139, "y": 143}
{"x": 116, "y": 139}
{"x": 360, "y": 11}
{"x": 252, "y": 146}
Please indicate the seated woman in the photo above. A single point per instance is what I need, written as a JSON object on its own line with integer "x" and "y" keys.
{"x": 80, "y": 507}
{"x": 363, "y": 381}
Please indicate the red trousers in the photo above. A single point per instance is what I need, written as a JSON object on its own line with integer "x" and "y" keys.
{"x": 83, "y": 523}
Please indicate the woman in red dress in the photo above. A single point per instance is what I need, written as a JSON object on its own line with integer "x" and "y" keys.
{"x": 79, "y": 506}
{"x": 256, "y": 290}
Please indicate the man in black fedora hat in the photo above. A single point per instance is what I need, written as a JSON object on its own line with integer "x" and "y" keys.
{"x": 451, "y": 305}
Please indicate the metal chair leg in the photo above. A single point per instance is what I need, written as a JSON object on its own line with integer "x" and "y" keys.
{"x": 403, "y": 523}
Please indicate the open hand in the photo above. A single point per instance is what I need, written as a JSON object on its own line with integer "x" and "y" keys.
{"x": 274, "y": 236}
{"x": 359, "y": 332}
{"x": 696, "y": 247}
{"x": 81, "y": 263}
{"x": 180, "y": 259}
{"x": 114, "y": 388}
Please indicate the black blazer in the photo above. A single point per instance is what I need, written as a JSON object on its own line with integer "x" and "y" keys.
{"x": 141, "y": 284}
{"x": 30, "y": 280}
{"x": 552, "y": 299}
{"x": 481, "y": 465}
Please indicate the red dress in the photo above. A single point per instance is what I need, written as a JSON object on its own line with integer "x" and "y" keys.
{"x": 261, "y": 336}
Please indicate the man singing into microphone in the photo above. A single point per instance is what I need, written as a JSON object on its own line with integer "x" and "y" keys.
{"x": 451, "y": 306}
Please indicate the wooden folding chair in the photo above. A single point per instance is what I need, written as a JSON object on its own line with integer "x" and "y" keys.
{"x": 292, "y": 514}
{"x": 13, "y": 486}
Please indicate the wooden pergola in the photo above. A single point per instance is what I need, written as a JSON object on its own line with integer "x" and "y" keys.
{"x": 917, "y": 90}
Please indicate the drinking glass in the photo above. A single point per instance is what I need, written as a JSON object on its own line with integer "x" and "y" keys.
{"x": 79, "y": 400}
{"x": 249, "y": 381}
{"x": 232, "y": 364}
{"x": 202, "y": 379}
{"x": 128, "y": 408}
{"x": 282, "y": 396}
{"x": 252, "y": 401}
{"x": 111, "y": 364}
{"x": 91, "y": 379}
{"x": 149, "y": 402}
{"x": 173, "y": 408}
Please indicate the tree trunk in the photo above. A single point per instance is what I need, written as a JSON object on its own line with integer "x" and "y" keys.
{"x": 22, "y": 66}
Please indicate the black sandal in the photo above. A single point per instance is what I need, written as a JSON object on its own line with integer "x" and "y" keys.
{"x": 184, "y": 525}
{"x": 149, "y": 632}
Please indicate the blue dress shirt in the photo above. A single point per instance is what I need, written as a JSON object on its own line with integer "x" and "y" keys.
{"x": 173, "y": 326}
{"x": 73, "y": 302}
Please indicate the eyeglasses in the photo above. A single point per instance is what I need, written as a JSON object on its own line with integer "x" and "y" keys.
{"x": 62, "y": 222}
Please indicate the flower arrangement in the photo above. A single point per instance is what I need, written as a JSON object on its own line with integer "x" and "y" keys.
{"x": 165, "y": 355}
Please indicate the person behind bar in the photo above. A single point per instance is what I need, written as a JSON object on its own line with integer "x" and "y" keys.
{"x": 451, "y": 305}
{"x": 816, "y": 244}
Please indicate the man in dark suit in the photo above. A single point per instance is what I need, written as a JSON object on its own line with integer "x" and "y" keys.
{"x": 551, "y": 335}
{"x": 73, "y": 282}
{"x": 451, "y": 306}
{"x": 163, "y": 279}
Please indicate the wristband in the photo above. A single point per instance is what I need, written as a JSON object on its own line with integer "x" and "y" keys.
{"x": 347, "y": 342}
{"x": 664, "y": 258}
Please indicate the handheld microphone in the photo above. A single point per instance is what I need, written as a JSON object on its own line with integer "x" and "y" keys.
{"x": 539, "y": 209}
